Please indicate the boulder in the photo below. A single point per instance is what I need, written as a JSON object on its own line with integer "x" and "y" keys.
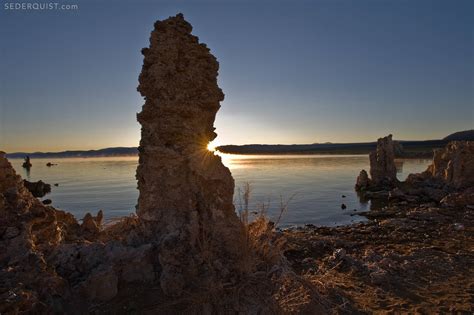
{"x": 186, "y": 193}
{"x": 38, "y": 189}
{"x": 363, "y": 181}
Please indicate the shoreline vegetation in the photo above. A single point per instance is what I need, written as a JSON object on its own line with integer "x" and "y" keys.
{"x": 405, "y": 149}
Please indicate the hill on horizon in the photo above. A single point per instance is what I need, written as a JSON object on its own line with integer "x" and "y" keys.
{"x": 466, "y": 135}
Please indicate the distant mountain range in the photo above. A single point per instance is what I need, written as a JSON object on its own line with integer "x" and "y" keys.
{"x": 410, "y": 148}
{"x": 117, "y": 151}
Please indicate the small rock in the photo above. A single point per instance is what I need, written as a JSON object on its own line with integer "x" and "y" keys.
{"x": 47, "y": 201}
{"x": 27, "y": 164}
{"x": 363, "y": 181}
{"x": 89, "y": 224}
{"x": 343, "y": 206}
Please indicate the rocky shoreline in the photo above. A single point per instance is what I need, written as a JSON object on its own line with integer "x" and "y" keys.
{"x": 404, "y": 259}
{"x": 414, "y": 255}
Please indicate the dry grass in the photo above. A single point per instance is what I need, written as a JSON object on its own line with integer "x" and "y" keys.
{"x": 265, "y": 282}
{"x": 259, "y": 248}
{"x": 268, "y": 276}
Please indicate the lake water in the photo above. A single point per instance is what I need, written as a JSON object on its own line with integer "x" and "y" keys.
{"x": 315, "y": 184}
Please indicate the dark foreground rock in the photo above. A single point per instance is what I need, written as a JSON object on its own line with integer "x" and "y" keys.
{"x": 38, "y": 189}
{"x": 185, "y": 190}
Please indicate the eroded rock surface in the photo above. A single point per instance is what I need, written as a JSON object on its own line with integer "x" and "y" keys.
{"x": 48, "y": 262}
{"x": 382, "y": 163}
{"x": 454, "y": 164}
{"x": 28, "y": 230}
{"x": 186, "y": 193}
{"x": 383, "y": 173}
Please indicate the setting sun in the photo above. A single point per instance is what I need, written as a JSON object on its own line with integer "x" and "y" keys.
{"x": 211, "y": 146}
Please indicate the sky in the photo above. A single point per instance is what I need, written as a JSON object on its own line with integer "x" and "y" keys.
{"x": 292, "y": 71}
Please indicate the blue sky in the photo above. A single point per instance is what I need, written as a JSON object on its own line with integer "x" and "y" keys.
{"x": 292, "y": 71}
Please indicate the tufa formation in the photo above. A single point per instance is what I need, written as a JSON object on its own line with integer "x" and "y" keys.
{"x": 454, "y": 164}
{"x": 186, "y": 193}
{"x": 383, "y": 172}
{"x": 449, "y": 179}
{"x": 50, "y": 264}
{"x": 382, "y": 162}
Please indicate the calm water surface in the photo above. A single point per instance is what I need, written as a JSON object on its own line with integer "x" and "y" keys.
{"x": 315, "y": 184}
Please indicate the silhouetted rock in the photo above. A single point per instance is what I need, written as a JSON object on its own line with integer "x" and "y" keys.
{"x": 363, "y": 181}
{"x": 383, "y": 173}
{"x": 27, "y": 164}
{"x": 38, "y": 189}
{"x": 47, "y": 201}
{"x": 185, "y": 190}
{"x": 382, "y": 163}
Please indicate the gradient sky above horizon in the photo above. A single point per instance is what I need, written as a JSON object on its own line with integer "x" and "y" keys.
{"x": 292, "y": 71}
